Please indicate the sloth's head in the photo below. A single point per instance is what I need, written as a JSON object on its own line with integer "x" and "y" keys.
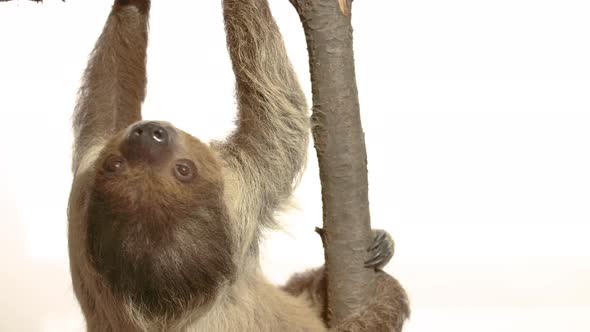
{"x": 158, "y": 228}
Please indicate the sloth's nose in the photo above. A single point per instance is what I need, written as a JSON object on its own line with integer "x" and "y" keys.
{"x": 148, "y": 141}
{"x": 149, "y": 133}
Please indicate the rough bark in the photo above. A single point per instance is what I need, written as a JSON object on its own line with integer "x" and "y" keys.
{"x": 340, "y": 146}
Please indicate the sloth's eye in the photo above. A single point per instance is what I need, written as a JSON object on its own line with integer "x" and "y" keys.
{"x": 184, "y": 170}
{"x": 113, "y": 164}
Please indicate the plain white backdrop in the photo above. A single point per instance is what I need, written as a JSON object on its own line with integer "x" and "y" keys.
{"x": 477, "y": 121}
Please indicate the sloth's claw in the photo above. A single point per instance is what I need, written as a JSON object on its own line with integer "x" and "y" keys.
{"x": 379, "y": 236}
{"x": 381, "y": 250}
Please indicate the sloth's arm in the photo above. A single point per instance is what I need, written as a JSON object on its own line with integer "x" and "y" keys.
{"x": 387, "y": 311}
{"x": 269, "y": 145}
{"x": 114, "y": 81}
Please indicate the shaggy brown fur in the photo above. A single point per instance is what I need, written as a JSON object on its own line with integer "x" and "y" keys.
{"x": 164, "y": 229}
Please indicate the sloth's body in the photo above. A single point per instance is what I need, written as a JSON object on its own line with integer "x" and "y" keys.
{"x": 164, "y": 229}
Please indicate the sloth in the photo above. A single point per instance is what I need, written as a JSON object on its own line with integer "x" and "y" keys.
{"x": 163, "y": 229}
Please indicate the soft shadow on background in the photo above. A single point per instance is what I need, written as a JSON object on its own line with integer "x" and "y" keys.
{"x": 477, "y": 121}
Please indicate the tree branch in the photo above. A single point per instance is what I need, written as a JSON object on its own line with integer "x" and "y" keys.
{"x": 340, "y": 147}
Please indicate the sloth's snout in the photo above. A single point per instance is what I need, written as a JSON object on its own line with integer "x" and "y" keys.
{"x": 149, "y": 141}
{"x": 148, "y": 133}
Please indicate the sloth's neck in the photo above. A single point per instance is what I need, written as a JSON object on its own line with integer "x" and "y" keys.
{"x": 254, "y": 304}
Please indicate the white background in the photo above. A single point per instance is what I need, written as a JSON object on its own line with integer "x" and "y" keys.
{"x": 477, "y": 121}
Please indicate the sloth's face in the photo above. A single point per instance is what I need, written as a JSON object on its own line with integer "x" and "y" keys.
{"x": 162, "y": 152}
{"x": 158, "y": 231}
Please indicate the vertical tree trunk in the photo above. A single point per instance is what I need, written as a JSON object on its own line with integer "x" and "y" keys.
{"x": 340, "y": 145}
